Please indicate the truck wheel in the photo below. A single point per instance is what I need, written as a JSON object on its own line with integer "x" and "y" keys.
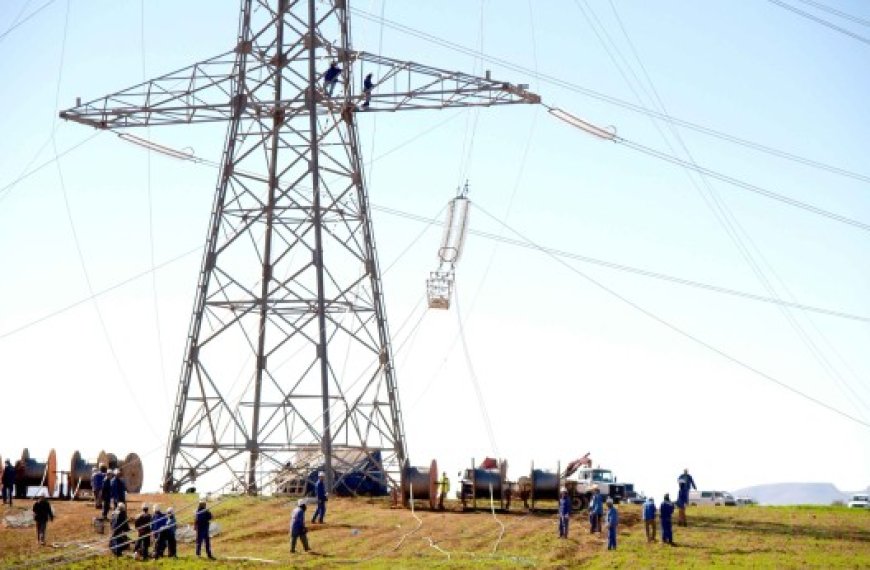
{"x": 578, "y": 502}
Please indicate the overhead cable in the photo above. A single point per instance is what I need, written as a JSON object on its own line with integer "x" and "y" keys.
{"x": 821, "y": 21}
{"x": 636, "y": 270}
{"x": 695, "y": 339}
{"x": 553, "y": 80}
{"x": 606, "y": 135}
{"x": 840, "y": 13}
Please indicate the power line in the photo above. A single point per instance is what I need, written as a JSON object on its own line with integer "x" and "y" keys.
{"x": 591, "y": 93}
{"x": 636, "y": 270}
{"x": 25, "y": 19}
{"x": 686, "y": 334}
{"x": 829, "y": 10}
{"x": 821, "y": 21}
{"x": 741, "y": 184}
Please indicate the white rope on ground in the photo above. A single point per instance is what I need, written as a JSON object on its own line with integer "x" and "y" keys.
{"x": 413, "y": 514}
{"x": 492, "y": 508}
{"x": 436, "y": 547}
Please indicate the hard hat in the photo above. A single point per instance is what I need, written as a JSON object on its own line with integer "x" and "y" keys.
{"x": 170, "y": 511}
{"x": 300, "y": 503}
{"x": 117, "y": 471}
{"x": 321, "y": 474}
{"x": 609, "y": 501}
{"x": 122, "y": 506}
{"x": 157, "y": 509}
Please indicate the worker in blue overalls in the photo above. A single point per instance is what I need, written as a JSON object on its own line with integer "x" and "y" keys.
{"x": 564, "y": 513}
{"x": 685, "y": 482}
{"x": 596, "y": 511}
{"x": 666, "y": 512}
{"x": 320, "y": 494}
{"x": 612, "y": 524}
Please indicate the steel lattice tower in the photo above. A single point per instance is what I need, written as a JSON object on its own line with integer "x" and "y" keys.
{"x": 288, "y": 347}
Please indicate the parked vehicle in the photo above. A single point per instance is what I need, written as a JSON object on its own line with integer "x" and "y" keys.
{"x": 743, "y": 501}
{"x": 712, "y": 498}
{"x": 581, "y": 483}
{"x": 860, "y": 501}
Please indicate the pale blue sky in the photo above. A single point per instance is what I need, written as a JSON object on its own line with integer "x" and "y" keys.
{"x": 565, "y": 368}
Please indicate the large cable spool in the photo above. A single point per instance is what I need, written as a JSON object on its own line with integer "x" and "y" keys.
{"x": 545, "y": 485}
{"x": 132, "y": 472}
{"x": 424, "y": 481}
{"x": 482, "y": 479}
{"x": 80, "y": 473}
{"x": 35, "y": 473}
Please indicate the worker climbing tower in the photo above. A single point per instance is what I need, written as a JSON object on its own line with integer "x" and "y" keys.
{"x": 288, "y": 349}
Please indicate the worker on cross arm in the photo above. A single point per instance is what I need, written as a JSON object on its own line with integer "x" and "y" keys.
{"x": 320, "y": 493}
{"x": 444, "y": 488}
{"x": 564, "y": 513}
{"x": 368, "y": 85}
{"x": 330, "y": 78}
{"x": 685, "y": 482}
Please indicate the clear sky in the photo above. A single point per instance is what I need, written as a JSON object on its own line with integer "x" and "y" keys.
{"x": 564, "y": 366}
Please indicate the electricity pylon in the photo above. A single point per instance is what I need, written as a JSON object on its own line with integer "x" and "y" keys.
{"x": 288, "y": 347}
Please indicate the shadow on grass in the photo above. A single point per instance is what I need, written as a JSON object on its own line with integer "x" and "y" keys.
{"x": 782, "y": 529}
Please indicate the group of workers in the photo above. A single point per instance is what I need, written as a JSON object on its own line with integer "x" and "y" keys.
{"x": 298, "y": 530}
{"x": 109, "y": 489}
{"x": 332, "y": 75}
{"x": 665, "y": 512}
{"x": 158, "y": 528}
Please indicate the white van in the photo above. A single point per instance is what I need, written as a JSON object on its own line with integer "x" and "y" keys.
{"x": 711, "y": 498}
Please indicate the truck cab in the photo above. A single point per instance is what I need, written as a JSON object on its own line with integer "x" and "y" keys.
{"x": 587, "y": 477}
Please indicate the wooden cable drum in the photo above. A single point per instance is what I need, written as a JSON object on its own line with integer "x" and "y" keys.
{"x": 80, "y": 473}
{"x": 424, "y": 482}
{"x": 36, "y": 474}
{"x": 132, "y": 473}
{"x": 110, "y": 460}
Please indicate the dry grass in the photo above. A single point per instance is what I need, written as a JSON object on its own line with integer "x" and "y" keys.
{"x": 371, "y": 534}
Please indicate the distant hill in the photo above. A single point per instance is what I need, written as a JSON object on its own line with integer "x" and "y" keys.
{"x": 795, "y": 494}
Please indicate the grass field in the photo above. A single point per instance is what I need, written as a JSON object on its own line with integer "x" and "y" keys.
{"x": 371, "y": 534}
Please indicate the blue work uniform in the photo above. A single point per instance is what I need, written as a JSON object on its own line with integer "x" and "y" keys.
{"x": 8, "y": 482}
{"x": 320, "y": 493}
{"x": 612, "y": 523}
{"x": 685, "y": 482}
{"x": 119, "y": 491}
{"x": 596, "y": 509}
{"x": 666, "y": 513}
{"x": 297, "y": 528}
{"x": 564, "y": 515}
{"x": 97, "y": 487}
{"x": 203, "y": 521}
